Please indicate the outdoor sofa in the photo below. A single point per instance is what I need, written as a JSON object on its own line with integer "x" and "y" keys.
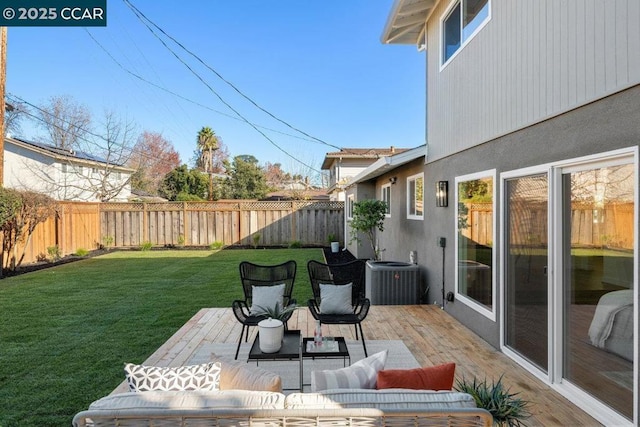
{"x": 252, "y": 396}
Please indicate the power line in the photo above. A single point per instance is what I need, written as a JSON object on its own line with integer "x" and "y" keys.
{"x": 217, "y": 94}
{"x": 126, "y": 70}
{"x": 139, "y": 14}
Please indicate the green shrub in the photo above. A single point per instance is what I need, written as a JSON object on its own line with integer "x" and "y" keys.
{"x": 54, "y": 253}
{"x": 81, "y": 252}
{"x": 216, "y": 246}
{"x": 506, "y": 408}
{"x": 296, "y": 244}
{"x": 146, "y": 246}
{"x": 256, "y": 239}
{"x": 181, "y": 240}
{"x": 107, "y": 241}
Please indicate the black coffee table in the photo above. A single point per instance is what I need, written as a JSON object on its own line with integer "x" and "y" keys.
{"x": 291, "y": 350}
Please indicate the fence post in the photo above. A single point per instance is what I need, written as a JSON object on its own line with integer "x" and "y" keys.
{"x": 186, "y": 225}
{"x": 145, "y": 223}
{"x": 294, "y": 221}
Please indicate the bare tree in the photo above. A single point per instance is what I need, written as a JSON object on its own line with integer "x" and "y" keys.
{"x": 14, "y": 113}
{"x": 93, "y": 170}
{"x": 153, "y": 157}
{"x": 66, "y": 121}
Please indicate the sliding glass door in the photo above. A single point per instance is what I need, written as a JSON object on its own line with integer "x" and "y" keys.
{"x": 598, "y": 303}
{"x": 526, "y": 287}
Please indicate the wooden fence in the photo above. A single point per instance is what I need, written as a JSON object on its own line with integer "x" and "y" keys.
{"x": 226, "y": 222}
{"x": 611, "y": 225}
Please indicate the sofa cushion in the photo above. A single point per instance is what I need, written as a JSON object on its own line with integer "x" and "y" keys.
{"x": 335, "y": 299}
{"x": 242, "y": 376}
{"x": 389, "y": 399}
{"x": 362, "y": 374}
{"x": 438, "y": 377}
{"x": 199, "y": 399}
{"x": 195, "y": 377}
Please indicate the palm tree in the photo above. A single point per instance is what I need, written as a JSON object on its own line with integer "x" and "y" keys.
{"x": 207, "y": 144}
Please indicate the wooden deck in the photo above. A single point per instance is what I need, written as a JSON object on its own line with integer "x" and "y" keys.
{"x": 432, "y": 335}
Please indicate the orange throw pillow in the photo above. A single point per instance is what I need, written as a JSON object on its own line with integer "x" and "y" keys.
{"x": 438, "y": 377}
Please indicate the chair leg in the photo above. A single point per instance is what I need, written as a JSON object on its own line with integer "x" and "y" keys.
{"x": 364, "y": 346}
{"x": 240, "y": 340}
{"x": 356, "y": 327}
{"x": 246, "y": 338}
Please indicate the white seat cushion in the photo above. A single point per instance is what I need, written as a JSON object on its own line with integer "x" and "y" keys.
{"x": 221, "y": 399}
{"x": 388, "y": 399}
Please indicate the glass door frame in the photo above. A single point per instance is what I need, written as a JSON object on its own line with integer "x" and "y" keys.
{"x": 554, "y": 376}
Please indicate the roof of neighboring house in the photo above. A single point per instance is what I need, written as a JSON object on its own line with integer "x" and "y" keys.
{"x": 64, "y": 153}
{"x": 406, "y": 22}
{"x": 387, "y": 164}
{"x": 359, "y": 153}
{"x": 311, "y": 194}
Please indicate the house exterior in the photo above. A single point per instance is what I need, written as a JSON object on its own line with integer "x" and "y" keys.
{"x": 63, "y": 174}
{"x": 529, "y": 184}
{"x": 348, "y": 162}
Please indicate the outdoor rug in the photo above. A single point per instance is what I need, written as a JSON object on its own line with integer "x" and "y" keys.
{"x": 399, "y": 357}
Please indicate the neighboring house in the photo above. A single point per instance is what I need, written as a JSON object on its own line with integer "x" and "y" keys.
{"x": 525, "y": 207}
{"x": 347, "y": 163}
{"x": 63, "y": 174}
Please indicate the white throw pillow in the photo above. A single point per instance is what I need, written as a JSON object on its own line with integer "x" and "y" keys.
{"x": 263, "y": 297}
{"x": 335, "y": 299}
{"x": 362, "y": 374}
{"x": 182, "y": 378}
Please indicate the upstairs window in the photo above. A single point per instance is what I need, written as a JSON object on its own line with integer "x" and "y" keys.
{"x": 463, "y": 21}
{"x": 386, "y": 197}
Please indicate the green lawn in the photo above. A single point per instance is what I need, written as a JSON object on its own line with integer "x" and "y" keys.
{"x": 65, "y": 332}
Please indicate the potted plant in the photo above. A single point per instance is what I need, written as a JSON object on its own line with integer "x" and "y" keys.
{"x": 271, "y": 329}
{"x": 333, "y": 242}
{"x": 368, "y": 215}
{"x": 506, "y": 408}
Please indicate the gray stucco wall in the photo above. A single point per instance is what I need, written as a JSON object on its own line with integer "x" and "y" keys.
{"x": 604, "y": 125}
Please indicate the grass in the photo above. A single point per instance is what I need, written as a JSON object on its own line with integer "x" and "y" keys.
{"x": 66, "y": 332}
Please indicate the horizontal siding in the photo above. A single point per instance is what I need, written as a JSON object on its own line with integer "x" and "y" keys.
{"x": 535, "y": 59}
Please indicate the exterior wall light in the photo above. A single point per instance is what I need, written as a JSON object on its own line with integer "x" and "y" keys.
{"x": 442, "y": 194}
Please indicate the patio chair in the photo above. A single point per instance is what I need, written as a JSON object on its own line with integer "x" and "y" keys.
{"x": 254, "y": 275}
{"x": 328, "y": 279}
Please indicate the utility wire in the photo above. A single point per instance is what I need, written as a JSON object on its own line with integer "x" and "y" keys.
{"x": 218, "y": 95}
{"x": 142, "y": 16}
{"x": 126, "y": 70}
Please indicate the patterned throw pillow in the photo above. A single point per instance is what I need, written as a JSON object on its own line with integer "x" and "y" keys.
{"x": 335, "y": 299}
{"x": 362, "y": 374}
{"x": 263, "y": 297}
{"x": 182, "y": 378}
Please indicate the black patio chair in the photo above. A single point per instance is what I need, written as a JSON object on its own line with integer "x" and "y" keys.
{"x": 340, "y": 274}
{"x": 262, "y": 275}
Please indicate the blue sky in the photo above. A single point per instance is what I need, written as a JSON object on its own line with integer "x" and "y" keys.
{"x": 317, "y": 65}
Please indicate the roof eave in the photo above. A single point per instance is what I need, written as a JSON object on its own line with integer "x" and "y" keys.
{"x": 406, "y": 22}
{"x": 387, "y": 164}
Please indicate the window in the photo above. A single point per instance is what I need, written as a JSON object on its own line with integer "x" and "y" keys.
{"x": 64, "y": 168}
{"x": 94, "y": 171}
{"x": 350, "y": 206}
{"x": 415, "y": 196}
{"x": 464, "y": 19}
{"x": 386, "y": 197}
{"x": 475, "y": 237}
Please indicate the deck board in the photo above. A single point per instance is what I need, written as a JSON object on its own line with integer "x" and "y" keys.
{"x": 432, "y": 335}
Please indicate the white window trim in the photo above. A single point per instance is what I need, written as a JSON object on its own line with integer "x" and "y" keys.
{"x": 474, "y": 305}
{"x": 350, "y": 202}
{"x": 409, "y": 179}
{"x": 445, "y": 15}
{"x": 384, "y": 187}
